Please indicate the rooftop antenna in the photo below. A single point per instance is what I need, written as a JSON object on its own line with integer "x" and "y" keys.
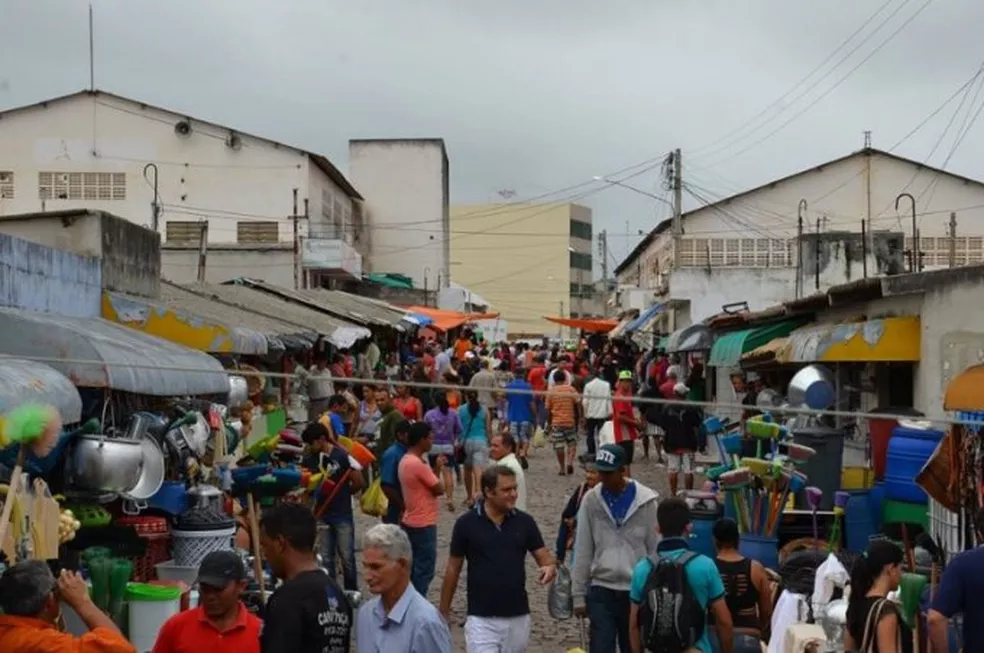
{"x": 92, "y": 54}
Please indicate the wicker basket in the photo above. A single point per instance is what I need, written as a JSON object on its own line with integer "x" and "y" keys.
{"x": 190, "y": 547}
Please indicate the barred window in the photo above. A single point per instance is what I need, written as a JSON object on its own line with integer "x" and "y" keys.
{"x": 253, "y": 232}
{"x": 101, "y": 186}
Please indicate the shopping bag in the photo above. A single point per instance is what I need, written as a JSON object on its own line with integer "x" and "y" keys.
{"x": 560, "y": 600}
{"x": 374, "y": 502}
{"x": 539, "y": 438}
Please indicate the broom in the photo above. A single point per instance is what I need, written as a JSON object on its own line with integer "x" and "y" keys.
{"x": 32, "y": 425}
{"x": 814, "y": 496}
{"x": 734, "y": 482}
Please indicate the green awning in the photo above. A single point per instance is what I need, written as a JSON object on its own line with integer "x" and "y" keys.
{"x": 390, "y": 280}
{"x": 728, "y": 348}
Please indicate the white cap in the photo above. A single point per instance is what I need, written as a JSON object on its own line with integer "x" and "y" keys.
{"x": 469, "y": 354}
{"x": 681, "y": 389}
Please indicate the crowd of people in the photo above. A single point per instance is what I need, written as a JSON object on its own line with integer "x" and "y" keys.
{"x": 468, "y": 427}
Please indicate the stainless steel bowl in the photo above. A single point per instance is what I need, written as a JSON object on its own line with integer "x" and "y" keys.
{"x": 238, "y": 391}
{"x": 153, "y": 472}
{"x": 813, "y": 387}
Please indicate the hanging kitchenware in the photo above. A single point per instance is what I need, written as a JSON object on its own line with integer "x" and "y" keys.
{"x": 152, "y": 474}
{"x": 100, "y": 464}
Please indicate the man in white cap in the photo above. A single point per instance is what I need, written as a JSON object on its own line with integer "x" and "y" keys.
{"x": 681, "y": 424}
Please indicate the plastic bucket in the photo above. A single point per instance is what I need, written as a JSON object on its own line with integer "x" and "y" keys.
{"x": 761, "y": 548}
{"x": 702, "y": 534}
{"x": 150, "y": 607}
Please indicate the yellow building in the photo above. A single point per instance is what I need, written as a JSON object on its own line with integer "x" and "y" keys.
{"x": 526, "y": 260}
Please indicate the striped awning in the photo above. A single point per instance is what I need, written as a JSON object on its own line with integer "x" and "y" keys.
{"x": 729, "y": 347}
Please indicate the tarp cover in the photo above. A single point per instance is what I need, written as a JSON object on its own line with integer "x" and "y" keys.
{"x": 23, "y": 382}
{"x": 446, "y": 320}
{"x": 96, "y": 353}
{"x": 593, "y": 326}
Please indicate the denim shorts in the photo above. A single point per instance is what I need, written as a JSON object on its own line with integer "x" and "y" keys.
{"x": 446, "y": 450}
{"x": 521, "y": 431}
{"x": 476, "y": 452}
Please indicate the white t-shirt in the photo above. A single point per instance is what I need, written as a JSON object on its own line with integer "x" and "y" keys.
{"x": 606, "y": 434}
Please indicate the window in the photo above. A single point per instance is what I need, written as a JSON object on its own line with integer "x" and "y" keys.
{"x": 82, "y": 185}
{"x": 251, "y": 232}
{"x": 580, "y": 261}
{"x": 182, "y": 232}
{"x": 6, "y": 185}
{"x": 580, "y": 230}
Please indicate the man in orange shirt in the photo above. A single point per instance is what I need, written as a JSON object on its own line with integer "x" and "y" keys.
{"x": 30, "y": 599}
{"x": 421, "y": 488}
{"x": 221, "y": 623}
{"x": 563, "y": 416}
{"x": 462, "y": 345}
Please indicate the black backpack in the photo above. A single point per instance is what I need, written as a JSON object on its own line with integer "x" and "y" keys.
{"x": 671, "y": 618}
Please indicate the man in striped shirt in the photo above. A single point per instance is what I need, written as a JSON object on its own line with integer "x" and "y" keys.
{"x": 563, "y": 416}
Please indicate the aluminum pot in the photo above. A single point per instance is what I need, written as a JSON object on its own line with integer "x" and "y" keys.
{"x": 813, "y": 387}
{"x": 205, "y": 497}
{"x": 238, "y": 391}
{"x": 101, "y": 464}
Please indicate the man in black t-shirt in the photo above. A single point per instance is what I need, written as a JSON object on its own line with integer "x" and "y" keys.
{"x": 309, "y": 612}
{"x": 494, "y": 537}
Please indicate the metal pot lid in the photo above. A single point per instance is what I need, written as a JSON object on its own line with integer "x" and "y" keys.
{"x": 205, "y": 490}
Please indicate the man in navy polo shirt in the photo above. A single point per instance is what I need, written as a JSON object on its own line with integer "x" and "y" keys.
{"x": 494, "y": 538}
{"x": 962, "y": 584}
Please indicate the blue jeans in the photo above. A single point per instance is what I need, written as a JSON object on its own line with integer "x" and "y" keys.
{"x": 338, "y": 540}
{"x": 541, "y": 412}
{"x": 423, "y": 545}
{"x": 608, "y": 612}
{"x": 742, "y": 643}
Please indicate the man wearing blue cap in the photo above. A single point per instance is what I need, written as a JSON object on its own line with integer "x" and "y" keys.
{"x": 616, "y": 526}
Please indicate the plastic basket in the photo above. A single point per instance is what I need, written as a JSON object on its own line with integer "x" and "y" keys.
{"x": 190, "y": 547}
{"x": 145, "y": 525}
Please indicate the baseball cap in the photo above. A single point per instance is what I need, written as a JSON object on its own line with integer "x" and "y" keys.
{"x": 610, "y": 458}
{"x": 625, "y": 375}
{"x": 681, "y": 389}
{"x": 220, "y": 568}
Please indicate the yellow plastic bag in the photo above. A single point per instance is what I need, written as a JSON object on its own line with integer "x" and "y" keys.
{"x": 374, "y": 502}
{"x": 539, "y": 438}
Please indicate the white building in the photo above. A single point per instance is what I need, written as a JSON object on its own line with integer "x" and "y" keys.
{"x": 744, "y": 248}
{"x": 100, "y": 151}
{"x": 406, "y": 181}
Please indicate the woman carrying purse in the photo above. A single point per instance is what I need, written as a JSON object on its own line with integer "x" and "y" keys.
{"x": 874, "y": 624}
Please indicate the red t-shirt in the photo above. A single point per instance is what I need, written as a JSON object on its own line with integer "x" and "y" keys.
{"x": 538, "y": 378}
{"x": 666, "y": 389}
{"x": 622, "y": 406}
{"x": 192, "y": 631}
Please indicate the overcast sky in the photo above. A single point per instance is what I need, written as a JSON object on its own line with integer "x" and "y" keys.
{"x": 529, "y": 95}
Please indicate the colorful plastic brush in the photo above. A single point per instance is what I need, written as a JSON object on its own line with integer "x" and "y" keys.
{"x": 735, "y": 482}
{"x": 840, "y": 504}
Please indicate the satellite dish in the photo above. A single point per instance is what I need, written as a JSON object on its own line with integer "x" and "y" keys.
{"x": 182, "y": 128}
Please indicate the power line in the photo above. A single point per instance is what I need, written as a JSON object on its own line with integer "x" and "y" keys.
{"x": 778, "y": 102}
{"x": 836, "y": 85}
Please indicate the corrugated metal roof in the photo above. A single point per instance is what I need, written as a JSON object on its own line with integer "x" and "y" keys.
{"x": 23, "y": 381}
{"x": 271, "y": 306}
{"x": 122, "y": 358}
{"x": 184, "y": 299}
{"x": 361, "y": 310}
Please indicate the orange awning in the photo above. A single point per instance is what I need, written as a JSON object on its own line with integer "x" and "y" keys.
{"x": 446, "y": 320}
{"x": 594, "y": 326}
{"x": 966, "y": 391}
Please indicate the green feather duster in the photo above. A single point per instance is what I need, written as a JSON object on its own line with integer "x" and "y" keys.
{"x": 24, "y": 424}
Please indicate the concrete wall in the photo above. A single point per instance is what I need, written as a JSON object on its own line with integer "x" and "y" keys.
{"x": 273, "y": 264}
{"x": 199, "y": 176}
{"x": 39, "y": 278}
{"x": 130, "y": 254}
{"x": 397, "y": 296}
{"x": 405, "y": 182}
{"x": 131, "y": 257}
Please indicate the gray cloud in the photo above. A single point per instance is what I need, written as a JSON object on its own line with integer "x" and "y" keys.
{"x": 531, "y": 96}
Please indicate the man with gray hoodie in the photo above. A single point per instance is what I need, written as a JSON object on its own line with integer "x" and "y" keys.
{"x": 616, "y": 526}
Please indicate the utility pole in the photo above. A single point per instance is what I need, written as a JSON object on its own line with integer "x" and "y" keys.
{"x": 297, "y": 244}
{"x": 867, "y": 175}
{"x": 603, "y": 255}
{"x": 801, "y": 210}
{"x": 305, "y": 274}
{"x": 677, "y": 204}
{"x": 202, "y": 249}
{"x": 560, "y": 328}
{"x": 953, "y": 239}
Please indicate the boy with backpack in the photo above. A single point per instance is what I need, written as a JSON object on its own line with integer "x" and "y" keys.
{"x": 673, "y": 590}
